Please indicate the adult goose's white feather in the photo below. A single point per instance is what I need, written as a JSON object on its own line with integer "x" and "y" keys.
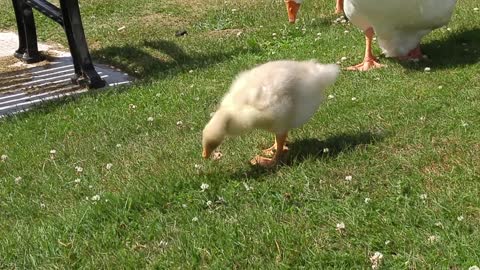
{"x": 399, "y": 25}
{"x": 276, "y": 96}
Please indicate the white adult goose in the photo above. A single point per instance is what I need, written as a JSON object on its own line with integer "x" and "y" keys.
{"x": 294, "y": 5}
{"x": 276, "y": 96}
{"x": 398, "y": 24}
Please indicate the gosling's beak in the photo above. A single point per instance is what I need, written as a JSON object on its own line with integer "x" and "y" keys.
{"x": 206, "y": 153}
{"x": 292, "y": 8}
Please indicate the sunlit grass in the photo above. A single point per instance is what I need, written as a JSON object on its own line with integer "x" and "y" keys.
{"x": 408, "y": 139}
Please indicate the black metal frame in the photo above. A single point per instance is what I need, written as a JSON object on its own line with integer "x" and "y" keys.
{"x": 68, "y": 16}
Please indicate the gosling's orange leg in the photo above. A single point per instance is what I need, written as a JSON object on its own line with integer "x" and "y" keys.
{"x": 369, "y": 62}
{"x": 269, "y": 152}
{"x": 339, "y": 7}
{"x": 280, "y": 140}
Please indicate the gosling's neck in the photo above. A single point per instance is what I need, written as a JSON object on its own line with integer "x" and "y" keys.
{"x": 232, "y": 123}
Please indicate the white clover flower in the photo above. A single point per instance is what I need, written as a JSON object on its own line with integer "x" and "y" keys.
{"x": 331, "y": 96}
{"x": 217, "y": 155}
{"x": 326, "y": 150}
{"x": 423, "y": 196}
{"x": 132, "y": 106}
{"x": 376, "y": 259}
{"x": 433, "y": 238}
{"x": 204, "y": 186}
{"x": 348, "y": 178}
{"x": 475, "y": 9}
{"x": 118, "y": 145}
{"x": 474, "y": 267}
{"x": 438, "y": 224}
{"x": 197, "y": 166}
{"x": 274, "y": 34}
{"x": 340, "y": 227}
{"x": 422, "y": 118}
{"x": 440, "y": 86}
{"x": 77, "y": 180}
{"x": 158, "y": 95}
{"x": 387, "y": 242}
{"x": 195, "y": 219}
{"x": 427, "y": 69}
{"x": 247, "y": 187}
{"x": 163, "y": 244}
{"x": 42, "y": 205}
{"x": 449, "y": 29}
{"x": 18, "y": 180}
{"x": 53, "y": 151}
{"x": 209, "y": 203}
{"x": 367, "y": 200}
{"x": 460, "y": 218}
{"x": 4, "y": 157}
{"x": 179, "y": 123}
{"x": 346, "y": 32}
{"x": 95, "y": 198}
{"x": 190, "y": 71}
{"x": 343, "y": 58}
{"x": 90, "y": 186}
{"x": 150, "y": 119}
{"x": 184, "y": 205}
{"x": 234, "y": 9}
{"x": 78, "y": 169}
{"x": 109, "y": 166}
{"x": 354, "y": 98}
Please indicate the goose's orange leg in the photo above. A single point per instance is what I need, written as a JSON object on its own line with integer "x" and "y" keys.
{"x": 369, "y": 61}
{"x": 280, "y": 140}
{"x": 339, "y": 7}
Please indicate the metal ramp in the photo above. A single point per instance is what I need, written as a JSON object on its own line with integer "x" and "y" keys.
{"x": 24, "y": 85}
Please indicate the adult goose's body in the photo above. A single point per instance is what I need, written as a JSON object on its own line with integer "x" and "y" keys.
{"x": 398, "y": 24}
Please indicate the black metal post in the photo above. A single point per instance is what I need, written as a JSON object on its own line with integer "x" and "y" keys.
{"x": 27, "y": 35}
{"x": 84, "y": 70}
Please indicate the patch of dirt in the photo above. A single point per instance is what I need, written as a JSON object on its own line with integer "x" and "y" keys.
{"x": 6, "y": 64}
{"x": 10, "y": 63}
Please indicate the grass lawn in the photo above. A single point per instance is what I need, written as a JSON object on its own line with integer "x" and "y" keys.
{"x": 409, "y": 139}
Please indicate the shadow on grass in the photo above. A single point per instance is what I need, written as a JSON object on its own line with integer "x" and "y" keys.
{"x": 156, "y": 59}
{"x": 459, "y": 49}
{"x": 307, "y": 149}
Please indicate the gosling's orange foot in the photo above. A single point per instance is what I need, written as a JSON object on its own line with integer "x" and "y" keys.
{"x": 263, "y": 162}
{"x": 367, "y": 64}
{"x": 269, "y": 152}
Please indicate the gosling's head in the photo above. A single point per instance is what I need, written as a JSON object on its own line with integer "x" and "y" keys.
{"x": 214, "y": 133}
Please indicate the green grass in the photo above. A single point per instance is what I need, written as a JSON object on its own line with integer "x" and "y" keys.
{"x": 401, "y": 138}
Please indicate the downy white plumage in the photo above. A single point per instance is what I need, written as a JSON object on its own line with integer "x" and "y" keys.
{"x": 276, "y": 96}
